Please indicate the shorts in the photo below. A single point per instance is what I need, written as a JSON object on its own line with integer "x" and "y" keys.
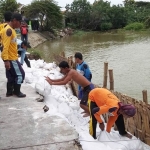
{"x": 85, "y": 94}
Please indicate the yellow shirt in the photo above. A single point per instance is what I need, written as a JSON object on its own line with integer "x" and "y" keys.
{"x": 2, "y": 25}
{"x": 9, "y": 43}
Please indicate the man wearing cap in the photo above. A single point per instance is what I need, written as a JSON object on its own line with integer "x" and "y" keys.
{"x": 14, "y": 71}
{"x": 102, "y": 101}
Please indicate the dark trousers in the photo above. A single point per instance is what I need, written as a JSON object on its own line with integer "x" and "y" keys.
{"x": 27, "y": 61}
{"x": 120, "y": 125}
{"x": 16, "y": 73}
{"x": 24, "y": 37}
{"x": 85, "y": 92}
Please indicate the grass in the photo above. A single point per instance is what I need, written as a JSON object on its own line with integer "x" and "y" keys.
{"x": 36, "y": 52}
{"x": 79, "y": 33}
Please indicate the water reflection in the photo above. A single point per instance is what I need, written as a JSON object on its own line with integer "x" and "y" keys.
{"x": 127, "y": 54}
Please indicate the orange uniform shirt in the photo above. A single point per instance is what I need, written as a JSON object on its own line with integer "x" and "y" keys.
{"x": 105, "y": 100}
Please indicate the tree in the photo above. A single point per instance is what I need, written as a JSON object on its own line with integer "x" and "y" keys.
{"x": 8, "y": 5}
{"x": 78, "y": 13}
{"x": 46, "y": 11}
{"x": 117, "y": 15}
{"x": 99, "y": 15}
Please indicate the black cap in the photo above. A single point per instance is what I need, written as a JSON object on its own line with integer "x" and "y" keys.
{"x": 16, "y": 16}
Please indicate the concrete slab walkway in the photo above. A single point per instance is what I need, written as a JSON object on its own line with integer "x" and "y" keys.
{"x": 25, "y": 126}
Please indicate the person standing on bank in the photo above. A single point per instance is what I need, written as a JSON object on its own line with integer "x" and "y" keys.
{"x": 102, "y": 101}
{"x": 14, "y": 71}
{"x": 83, "y": 69}
{"x": 24, "y": 31}
{"x": 22, "y": 48}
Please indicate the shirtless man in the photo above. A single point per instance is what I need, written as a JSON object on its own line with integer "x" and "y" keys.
{"x": 71, "y": 74}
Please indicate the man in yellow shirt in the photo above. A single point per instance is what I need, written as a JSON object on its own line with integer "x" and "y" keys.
{"x": 7, "y": 16}
{"x": 102, "y": 101}
{"x": 14, "y": 71}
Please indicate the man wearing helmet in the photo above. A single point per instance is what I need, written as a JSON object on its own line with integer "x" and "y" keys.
{"x": 102, "y": 101}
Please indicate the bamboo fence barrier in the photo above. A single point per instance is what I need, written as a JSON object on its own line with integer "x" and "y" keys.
{"x": 139, "y": 125}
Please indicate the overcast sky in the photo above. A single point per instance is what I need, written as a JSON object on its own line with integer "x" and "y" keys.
{"x": 63, "y": 3}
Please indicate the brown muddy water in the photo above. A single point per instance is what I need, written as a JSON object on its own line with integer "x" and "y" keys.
{"x": 128, "y": 54}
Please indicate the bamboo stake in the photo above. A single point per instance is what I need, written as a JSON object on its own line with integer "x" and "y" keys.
{"x": 105, "y": 74}
{"x": 111, "y": 79}
{"x": 144, "y": 92}
{"x": 71, "y": 61}
{"x": 63, "y": 54}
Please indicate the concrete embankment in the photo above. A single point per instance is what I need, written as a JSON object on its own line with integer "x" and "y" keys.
{"x": 36, "y": 38}
{"x": 25, "y": 126}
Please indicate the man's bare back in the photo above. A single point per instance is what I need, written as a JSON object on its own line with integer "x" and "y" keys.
{"x": 78, "y": 78}
{"x": 70, "y": 74}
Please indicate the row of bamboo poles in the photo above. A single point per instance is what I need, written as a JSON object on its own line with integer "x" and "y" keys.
{"x": 139, "y": 125}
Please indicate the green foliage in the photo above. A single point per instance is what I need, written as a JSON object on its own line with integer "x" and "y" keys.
{"x": 47, "y": 11}
{"x": 147, "y": 22}
{"x": 8, "y": 5}
{"x": 117, "y": 16}
{"x": 99, "y": 14}
{"x": 79, "y": 33}
{"x": 36, "y": 52}
{"x": 134, "y": 26}
{"x": 72, "y": 25}
{"x": 102, "y": 16}
{"x": 78, "y": 13}
{"x": 106, "y": 26}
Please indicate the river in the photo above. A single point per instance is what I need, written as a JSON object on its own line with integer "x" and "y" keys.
{"x": 128, "y": 54}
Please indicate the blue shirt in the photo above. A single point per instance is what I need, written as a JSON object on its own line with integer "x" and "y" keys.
{"x": 23, "y": 51}
{"x": 84, "y": 69}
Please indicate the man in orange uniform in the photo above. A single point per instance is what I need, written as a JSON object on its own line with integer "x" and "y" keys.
{"x": 102, "y": 101}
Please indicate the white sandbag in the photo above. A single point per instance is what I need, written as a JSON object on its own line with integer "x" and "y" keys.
{"x": 64, "y": 109}
{"x": 73, "y": 98}
{"x": 37, "y": 73}
{"x": 74, "y": 102}
{"x": 61, "y": 89}
{"x": 49, "y": 99}
{"x": 28, "y": 70}
{"x": 40, "y": 63}
{"x": 52, "y": 110}
{"x": 40, "y": 86}
{"x": 48, "y": 66}
{"x": 74, "y": 105}
{"x": 55, "y": 93}
{"x": 29, "y": 77}
{"x": 69, "y": 91}
{"x": 55, "y": 65}
{"x": 63, "y": 98}
{"x": 57, "y": 68}
{"x": 117, "y": 142}
{"x": 56, "y": 74}
{"x": 88, "y": 143}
